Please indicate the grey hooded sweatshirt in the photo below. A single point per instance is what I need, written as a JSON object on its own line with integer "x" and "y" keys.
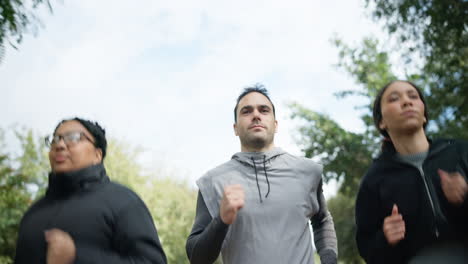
{"x": 280, "y": 199}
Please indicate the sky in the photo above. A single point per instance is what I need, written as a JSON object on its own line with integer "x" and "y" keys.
{"x": 165, "y": 75}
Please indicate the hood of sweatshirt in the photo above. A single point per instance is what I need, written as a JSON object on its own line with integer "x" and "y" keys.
{"x": 254, "y": 158}
{"x": 259, "y": 161}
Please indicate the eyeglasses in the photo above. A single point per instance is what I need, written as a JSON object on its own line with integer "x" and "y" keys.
{"x": 70, "y": 139}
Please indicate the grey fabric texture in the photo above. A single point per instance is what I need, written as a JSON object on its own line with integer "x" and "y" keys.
{"x": 415, "y": 160}
{"x": 273, "y": 226}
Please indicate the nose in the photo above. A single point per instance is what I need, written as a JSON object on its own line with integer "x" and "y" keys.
{"x": 256, "y": 114}
{"x": 59, "y": 145}
{"x": 406, "y": 101}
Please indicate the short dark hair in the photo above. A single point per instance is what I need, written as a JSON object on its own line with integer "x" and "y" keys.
{"x": 258, "y": 88}
{"x": 377, "y": 109}
{"x": 99, "y": 134}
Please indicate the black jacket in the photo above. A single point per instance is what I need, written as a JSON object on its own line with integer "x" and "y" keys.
{"x": 108, "y": 222}
{"x": 429, "y": 218}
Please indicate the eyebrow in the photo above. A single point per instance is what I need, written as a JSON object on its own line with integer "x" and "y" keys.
{"x": 410, "y": 91}
{"x": 251, "y": 107}
{"x": 69, "y": 132}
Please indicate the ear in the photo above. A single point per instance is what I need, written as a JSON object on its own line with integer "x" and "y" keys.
{"x": 424, "y": 120}
{"x": 98, "y": 155}
{"x": 235, "y": 129}
{"x": 382, "y": 125}
{"x": 276, "y": 126}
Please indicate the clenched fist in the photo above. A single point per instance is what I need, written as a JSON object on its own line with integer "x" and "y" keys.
{"x": 232, "y": 202}
{"x": 60, "y": 247}
{"x": 454, "y": 186}
{"x": 394, "y": 227}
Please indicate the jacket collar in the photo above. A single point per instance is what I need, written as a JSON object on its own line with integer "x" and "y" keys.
{"x": 62, "y": 184}
{"x": 248, "y": 158}
{"x": 389, "y": 151}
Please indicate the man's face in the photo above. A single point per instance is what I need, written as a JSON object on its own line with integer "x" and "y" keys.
{"x": 256, "y": 124}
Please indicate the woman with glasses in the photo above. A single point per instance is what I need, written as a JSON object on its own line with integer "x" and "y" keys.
{"x": 84, "y": 217}
{"x": 412, "y": 206}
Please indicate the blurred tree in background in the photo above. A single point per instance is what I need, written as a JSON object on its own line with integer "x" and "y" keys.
{"x": 432, "y": 36}
{"x": 22, "y": 179}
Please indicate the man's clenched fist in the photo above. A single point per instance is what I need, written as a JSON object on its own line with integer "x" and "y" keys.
{"x": 232, "y": 202}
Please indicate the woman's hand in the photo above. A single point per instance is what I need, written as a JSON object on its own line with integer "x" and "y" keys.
{"x": 454, "y": 186}
{"x": 394, "y": 227}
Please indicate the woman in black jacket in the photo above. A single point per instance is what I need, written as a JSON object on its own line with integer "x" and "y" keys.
{"x": 411, "y": 205}
{"x": 84, "y": 217}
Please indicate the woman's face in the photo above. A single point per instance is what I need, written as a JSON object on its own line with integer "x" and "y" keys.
{"x": 402, "y": 109}
{"x": 75, "y": 151}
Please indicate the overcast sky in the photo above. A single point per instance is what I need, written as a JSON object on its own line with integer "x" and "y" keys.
{"x": 164, "y": 75}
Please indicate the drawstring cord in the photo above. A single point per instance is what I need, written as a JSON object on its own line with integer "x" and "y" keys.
{"x": 256, "y": 178}
{"x": 266, "y": 175}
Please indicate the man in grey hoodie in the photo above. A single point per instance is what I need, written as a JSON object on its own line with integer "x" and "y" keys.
{"x": 256, "y": 207}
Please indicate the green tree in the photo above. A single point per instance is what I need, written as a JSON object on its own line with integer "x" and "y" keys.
{"x": 17, "y": 18}
{"x": 346, "y": 157}
{"x": 436, "y": 32}
{"x": 21, "y": 178}
{"x": 342, "y": 209}
{"x": 14, "y": 200}
{"x": 33, "y": 160}
{"x": 171, "y": 202}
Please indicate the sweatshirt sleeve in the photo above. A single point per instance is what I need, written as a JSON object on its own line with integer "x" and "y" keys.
{"x": 324, "y": 231}
{"x": 371, "y": 241}
{"x": 206, "y": 239}
{"x": 135, "y": 240}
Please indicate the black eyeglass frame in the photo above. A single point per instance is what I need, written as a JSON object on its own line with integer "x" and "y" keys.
{"x": 69, "y": 139}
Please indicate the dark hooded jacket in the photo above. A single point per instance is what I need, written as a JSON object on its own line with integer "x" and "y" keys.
{"x": 108, "y": 222}
{"x": 429, "y": 218}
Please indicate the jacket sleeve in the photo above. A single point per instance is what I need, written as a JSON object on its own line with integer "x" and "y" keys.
{"x": 324, "y": 231}
{"x": 206, "y": 239}
{"x": 371, "y": 241}
{"x": 463, "y": 169}
{"x": 135, "y": 240}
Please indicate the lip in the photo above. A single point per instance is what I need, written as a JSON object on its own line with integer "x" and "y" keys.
{"x": 256, "y": 126}
{"x": 409, "y": 113}
{"x": 60, "y": 158}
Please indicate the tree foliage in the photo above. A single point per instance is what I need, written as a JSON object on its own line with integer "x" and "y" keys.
{"x": 22, "y": 177}
{"x": 16, "y": 19}
{"x": 14, "y": 200}
{"x": 171, "y": 202}
{"x": 342, "y": 209}
{"x": 345, "y": 155}
{"x": 436, "y": 32}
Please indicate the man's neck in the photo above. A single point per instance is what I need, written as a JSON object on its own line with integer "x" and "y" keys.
{"x": 410, "y": 143}
{"x": 253, "y": 149}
